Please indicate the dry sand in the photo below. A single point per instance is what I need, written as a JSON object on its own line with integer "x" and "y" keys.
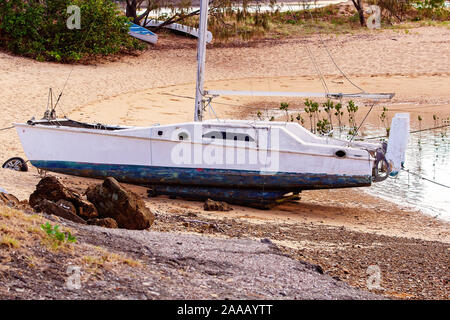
{"x": 157, "y": 87}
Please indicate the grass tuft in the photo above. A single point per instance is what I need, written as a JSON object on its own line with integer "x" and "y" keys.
{"x": 10, "y": 242}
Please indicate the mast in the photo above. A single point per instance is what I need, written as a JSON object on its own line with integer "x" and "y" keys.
{"x": 201, "y": 53}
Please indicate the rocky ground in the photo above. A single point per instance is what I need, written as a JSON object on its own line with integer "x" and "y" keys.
{"x": 189, "y": 253}
{"x": 192, "y": 253}
{"x": 131, "y": 264}
{"x": 409, "y": 268}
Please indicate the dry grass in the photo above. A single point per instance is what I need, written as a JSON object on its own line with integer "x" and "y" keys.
{"x": 16, "y": 224}
{"x": 22, "y": 233}
{"x": 26, "y": 249}
{"x": 106, "y": 258}
{"x": 18, "y": 227}
{"x": 9, "y": 242}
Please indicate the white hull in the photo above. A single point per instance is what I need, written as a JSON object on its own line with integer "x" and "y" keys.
{"x": 180, "y": 28}
{"x": 277, "y": 149}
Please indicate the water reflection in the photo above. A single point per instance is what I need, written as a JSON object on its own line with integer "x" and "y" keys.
{"x": 428, "y": 154}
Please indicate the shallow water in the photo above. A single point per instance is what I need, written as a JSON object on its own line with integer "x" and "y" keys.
{"x": 428, "y": 154}
{"x": 280, "y": 6}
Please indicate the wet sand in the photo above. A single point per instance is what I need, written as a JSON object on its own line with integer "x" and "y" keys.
{"x": 157, "y": 87}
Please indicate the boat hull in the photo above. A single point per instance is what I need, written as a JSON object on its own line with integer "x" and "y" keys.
{"x": 201, "y": 177}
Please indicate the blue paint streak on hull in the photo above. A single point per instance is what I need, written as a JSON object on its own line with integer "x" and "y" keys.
{"x": 156, "y": 175}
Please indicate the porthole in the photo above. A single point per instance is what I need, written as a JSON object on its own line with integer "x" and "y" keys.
{"x": 160, "y": 133}
{"x": 183, "y": 136}
{"x": 340, "y": 153}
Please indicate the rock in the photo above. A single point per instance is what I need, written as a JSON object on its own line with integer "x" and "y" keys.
{"x": 211, "y": 205}
{"x": 67, "y": 205}
{"x": 50, "y": 188}
{"x": 319, "y": 269}
{"x": 62, "y": 208}
{"x": 126, "y": 207}
{"x": 24, "y": 206}
{"x": 105, "y": 222}
{"x": 266, "y": 241}
{"x": 8, "y": 199}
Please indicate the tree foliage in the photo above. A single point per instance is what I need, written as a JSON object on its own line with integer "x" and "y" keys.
{"x": 38, "y": 29}
{"x": 227, "y": 19}
{"x": 403, "y": 10}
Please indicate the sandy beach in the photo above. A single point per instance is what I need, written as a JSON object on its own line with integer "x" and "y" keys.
{"x": 158, "y": 86}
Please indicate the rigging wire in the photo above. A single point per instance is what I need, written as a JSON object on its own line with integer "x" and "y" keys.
{"x": 317, "y": 68}
{"x": 362, "y": 122}
{"x": 425, "y": 178}
{"x": 332, "y": 59}
{"x": 70, "y": 73}
{"x": 7, "y": 128}
{"x": 413, "y": 131}
{"x": 212, "y": 109}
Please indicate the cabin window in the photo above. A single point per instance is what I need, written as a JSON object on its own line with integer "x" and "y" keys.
{"x": 228, "y": 136}
{"x": 160, "y": 133}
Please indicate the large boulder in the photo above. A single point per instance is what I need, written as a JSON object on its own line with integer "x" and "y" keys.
{"x": 50, "y": 188}
{"x": 125, "y": 207}
{"x": 62, "y": 208}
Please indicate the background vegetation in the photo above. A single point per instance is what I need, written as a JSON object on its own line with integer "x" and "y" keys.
{"x": 233, "y": 20}
{"x": 38, "y": 29}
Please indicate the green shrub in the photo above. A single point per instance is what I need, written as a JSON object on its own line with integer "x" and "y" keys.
{"x": 432, "y": 9}
{"x": 415, "y": 10}
{"x": 38, "y": 29}
{"x": 57, "y": 237}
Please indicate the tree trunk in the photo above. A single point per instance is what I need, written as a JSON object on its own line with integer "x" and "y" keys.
{"x": 131, "y": 9}
{"x": 359, "y": 7}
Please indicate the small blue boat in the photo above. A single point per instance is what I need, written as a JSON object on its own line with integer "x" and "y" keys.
{"x": 142, "y": 34}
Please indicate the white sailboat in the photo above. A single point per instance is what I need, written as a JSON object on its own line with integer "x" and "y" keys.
{"x": 240, "y": 161}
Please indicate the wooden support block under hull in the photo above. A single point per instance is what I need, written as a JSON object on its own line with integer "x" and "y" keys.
{"x": 246, "y": 197}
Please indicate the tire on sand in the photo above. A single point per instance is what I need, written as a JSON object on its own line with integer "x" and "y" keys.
{"x": 16, "y": 163}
